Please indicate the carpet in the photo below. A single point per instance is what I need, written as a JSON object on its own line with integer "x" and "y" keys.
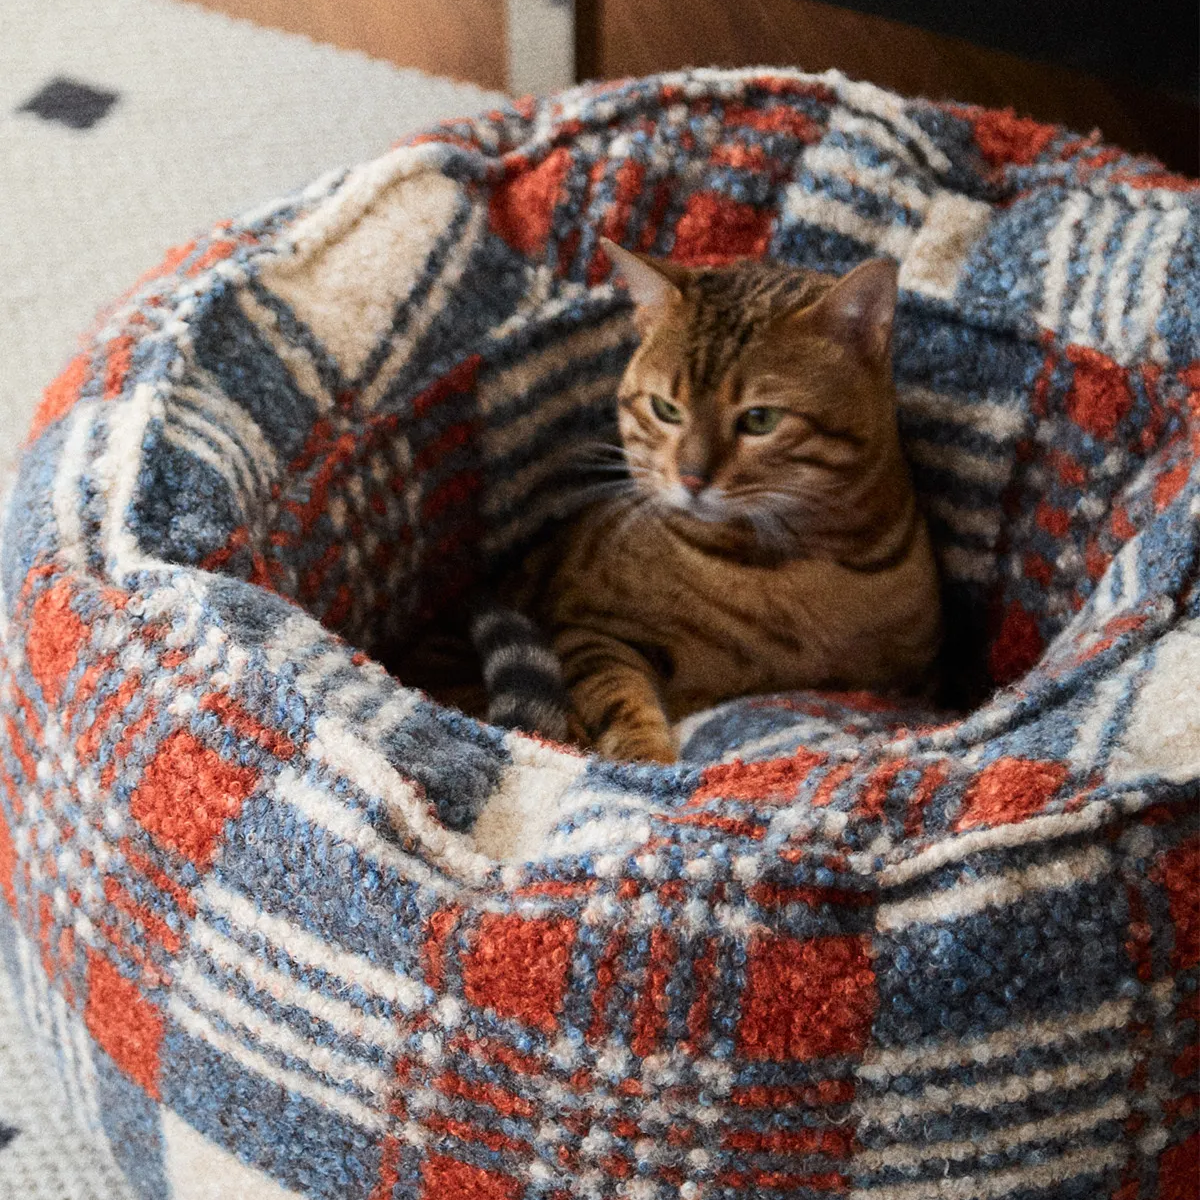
{"x": 127, "y": 126}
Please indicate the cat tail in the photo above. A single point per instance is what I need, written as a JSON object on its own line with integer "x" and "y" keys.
{"x": 521, "y": 673}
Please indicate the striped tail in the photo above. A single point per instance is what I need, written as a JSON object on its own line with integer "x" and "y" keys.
{"x": 521, "y": 674}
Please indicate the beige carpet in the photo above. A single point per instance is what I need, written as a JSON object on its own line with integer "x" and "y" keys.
{"x": 210, "y": 116}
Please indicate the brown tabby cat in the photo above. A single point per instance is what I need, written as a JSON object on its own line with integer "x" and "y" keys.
{"x": 769, "y": 537}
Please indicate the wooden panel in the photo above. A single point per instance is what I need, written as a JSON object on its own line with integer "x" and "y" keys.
{"x": 463, "y": 39}
{"x": 636, "y": 37}
{"x": 588, "y": 39}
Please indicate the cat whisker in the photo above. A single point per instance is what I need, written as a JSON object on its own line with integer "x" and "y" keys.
{"x": 762, "y": 501}
{"x": 595, "y": 453}
{"x": 601, "y": 490}
{"x": 608, "y": 486}
{"x": 619, "y": 470}
{"x": 771, "y": 532}
{"x": 641, "y": 506}
{"x": 603, "y": 458}
{"x": 784, "y": 499}
{"x": 770, "y": 514}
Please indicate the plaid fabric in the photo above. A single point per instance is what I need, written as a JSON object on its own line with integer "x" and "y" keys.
{"x": 289, "y": 928}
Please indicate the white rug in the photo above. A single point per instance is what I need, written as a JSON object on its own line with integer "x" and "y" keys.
{"x": 195, "y": 117}
{"x": 211, "y": 116}
{"x": 45, "y": 1154}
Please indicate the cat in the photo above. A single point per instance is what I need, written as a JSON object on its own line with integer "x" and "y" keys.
{"x": 765, "y": 535}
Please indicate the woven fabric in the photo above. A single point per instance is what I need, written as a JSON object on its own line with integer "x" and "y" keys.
{"x": 292, "y": 929}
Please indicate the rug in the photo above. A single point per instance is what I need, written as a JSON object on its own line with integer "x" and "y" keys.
{"x": 126, "y": 126}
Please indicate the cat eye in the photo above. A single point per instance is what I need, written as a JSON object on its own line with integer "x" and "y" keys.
{"x": 759, "y": 421}
{"x": 664, "y": 410}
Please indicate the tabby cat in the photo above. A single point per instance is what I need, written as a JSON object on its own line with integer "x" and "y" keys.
{"x": 765, "y": 535}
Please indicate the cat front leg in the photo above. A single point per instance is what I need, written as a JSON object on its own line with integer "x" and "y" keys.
{"x": 614, "y": 691}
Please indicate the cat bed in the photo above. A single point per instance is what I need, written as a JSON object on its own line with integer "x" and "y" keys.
{"x": 290, "y": 928}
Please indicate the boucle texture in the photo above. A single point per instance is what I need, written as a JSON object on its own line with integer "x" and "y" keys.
{"x": 290, "y": 928}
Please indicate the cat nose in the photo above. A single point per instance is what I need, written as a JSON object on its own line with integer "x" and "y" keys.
{"x": 694, "y": 483}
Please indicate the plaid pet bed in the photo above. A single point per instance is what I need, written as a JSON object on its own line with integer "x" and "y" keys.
{"x": 289, "y": 928}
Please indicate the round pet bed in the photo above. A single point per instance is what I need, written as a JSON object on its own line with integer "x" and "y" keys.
{"x": 288, "y": 927}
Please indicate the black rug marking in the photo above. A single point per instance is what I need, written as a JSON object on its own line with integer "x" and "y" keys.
{"x": 76, "y": 105}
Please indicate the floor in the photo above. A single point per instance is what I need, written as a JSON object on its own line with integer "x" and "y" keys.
{"x": 171, "y": 118}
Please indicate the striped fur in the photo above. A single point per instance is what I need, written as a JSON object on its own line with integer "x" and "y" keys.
{"x": 735, "y": 561}
{"x": 522, "y": 675}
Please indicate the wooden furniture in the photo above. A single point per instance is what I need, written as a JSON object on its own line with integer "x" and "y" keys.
{"x": 464, "y": 39}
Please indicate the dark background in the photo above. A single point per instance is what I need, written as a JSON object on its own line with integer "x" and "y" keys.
{"x": 1156, "y": 45}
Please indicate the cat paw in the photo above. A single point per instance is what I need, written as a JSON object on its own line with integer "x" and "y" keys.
{"x": 638, "y": 747}
{"x": 577, "y": 735}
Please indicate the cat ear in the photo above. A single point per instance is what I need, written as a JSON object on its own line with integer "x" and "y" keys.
{"x": 859, "y": 309}
{"x": 649, "y": 283}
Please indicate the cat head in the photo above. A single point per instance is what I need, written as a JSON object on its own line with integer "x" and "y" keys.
{"x": 759, "y": 404}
